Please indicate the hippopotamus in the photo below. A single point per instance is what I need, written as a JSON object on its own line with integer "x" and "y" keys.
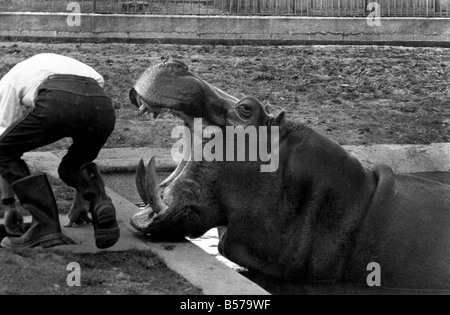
{"x": 321, "y": 217}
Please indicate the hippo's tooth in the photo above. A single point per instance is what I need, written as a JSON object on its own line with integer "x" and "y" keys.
{"x": 154, "y": 199}
{"x": 143, "y": 109}
{"x": 181, "y": 166}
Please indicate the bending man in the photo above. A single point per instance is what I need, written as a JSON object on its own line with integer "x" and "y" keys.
{"x": 44, "y": 99}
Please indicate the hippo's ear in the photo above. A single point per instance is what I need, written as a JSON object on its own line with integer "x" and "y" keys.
{"x": 267, "y": 109}
{"x": 280, "y": 119}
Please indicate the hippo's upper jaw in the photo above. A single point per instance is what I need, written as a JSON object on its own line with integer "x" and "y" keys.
{"x": 170, "y": 85}
{"x": 167, "y": 85}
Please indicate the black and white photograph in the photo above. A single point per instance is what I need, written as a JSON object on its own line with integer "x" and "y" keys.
{"x": 222, "y": 154}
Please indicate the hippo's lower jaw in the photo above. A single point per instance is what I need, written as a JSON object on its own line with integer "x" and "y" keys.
{"x": 163, "y": 218}
{"x": 141, "y": 220}
{"x": 148, "y": 221}
{"x": 168, "y": 224}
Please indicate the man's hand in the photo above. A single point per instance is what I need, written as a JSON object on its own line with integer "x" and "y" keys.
{"x": 78, "y": 216}
{"x": 14, "y": 222}
{"x": 78, "y": 213}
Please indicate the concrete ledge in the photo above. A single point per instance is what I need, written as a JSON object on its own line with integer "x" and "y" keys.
{"x": 405, "y": 158}
{"x": 225, "y": 29}
{"x": 401, "y": 158}
{"x": 126, "y": 159}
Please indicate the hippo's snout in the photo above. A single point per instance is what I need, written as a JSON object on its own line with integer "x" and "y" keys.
{"x": 168, "y": 85}
{"x": 171, "y": 69}
{"x": 177, "y": 63}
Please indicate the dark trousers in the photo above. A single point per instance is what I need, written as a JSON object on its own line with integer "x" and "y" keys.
{"x": 66, "y": 106}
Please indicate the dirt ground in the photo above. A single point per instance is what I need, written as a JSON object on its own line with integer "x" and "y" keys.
{"x": 40, "y": 271}
{"x": 354, "y": 95}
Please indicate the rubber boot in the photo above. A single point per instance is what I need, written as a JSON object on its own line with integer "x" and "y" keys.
{"x": 92, "y": 188}
{"x": 36, "y": 195}
{"x": 12, "y": 215}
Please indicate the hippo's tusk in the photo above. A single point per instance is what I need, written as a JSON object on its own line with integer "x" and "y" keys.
{"x": 180, "y": 168}
{"x": 141, "y": 181}
{"x": 174, "y": 175}
{"x": 143, "y": 109}
{"x": 139, "y": 103}
{"x": 154, "y": 200}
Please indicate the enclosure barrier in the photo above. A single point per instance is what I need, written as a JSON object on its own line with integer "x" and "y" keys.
{"x": 332, "y": 8}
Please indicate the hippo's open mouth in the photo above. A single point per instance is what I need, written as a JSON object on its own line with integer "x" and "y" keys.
{"x": 170, "y": 86}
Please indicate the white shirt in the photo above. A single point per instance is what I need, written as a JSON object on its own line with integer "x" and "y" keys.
{"x": 18, "y": 88}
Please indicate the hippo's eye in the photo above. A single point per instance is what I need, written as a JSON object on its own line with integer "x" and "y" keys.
{"x": 245, "y": 110}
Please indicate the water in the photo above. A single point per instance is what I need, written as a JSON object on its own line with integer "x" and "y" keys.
{"x": 210, "y": 244}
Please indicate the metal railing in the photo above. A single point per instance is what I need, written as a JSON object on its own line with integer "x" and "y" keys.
{"x": 419, "y": 8}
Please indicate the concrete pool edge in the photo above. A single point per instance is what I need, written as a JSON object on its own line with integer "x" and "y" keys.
{"x": 186, "y": 259}
{"x": 409, "y": 158}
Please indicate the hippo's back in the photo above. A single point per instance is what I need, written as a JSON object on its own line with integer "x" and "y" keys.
{"x": 407, "y": 231}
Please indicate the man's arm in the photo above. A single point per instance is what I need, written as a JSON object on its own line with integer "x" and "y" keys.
{"x": 10, "y": 107}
